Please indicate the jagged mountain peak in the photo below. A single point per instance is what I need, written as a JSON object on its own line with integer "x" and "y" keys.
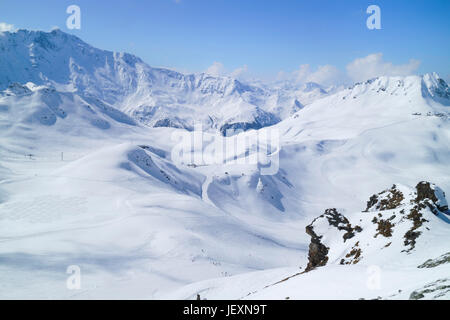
{"x": 161, "y": 97}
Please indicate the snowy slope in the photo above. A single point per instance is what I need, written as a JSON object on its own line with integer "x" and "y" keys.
{"x": 384, "y": 131}
{"x": 88, "y": 178}
{"x": 135, "y": 224}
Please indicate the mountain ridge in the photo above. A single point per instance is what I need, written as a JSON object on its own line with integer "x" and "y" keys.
{"x": 148, "y": 94}
{"x": 153, "y": 95}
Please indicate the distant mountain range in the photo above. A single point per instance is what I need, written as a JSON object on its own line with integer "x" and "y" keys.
{"x": 153, "y": 96}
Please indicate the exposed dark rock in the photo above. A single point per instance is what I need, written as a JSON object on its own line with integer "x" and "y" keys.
{"x": 372, "y": 201}
{"x": 411, "y": 214}
{"x": 386, "y": 200}
{"x": 170, "y": 123}
{"x": 434, "y": 290}
{"x": 432, "y": 263}
{"x": 318, "y": 252}
{"x": 354, "y": 256}
{"x": 384, "y": 228}
{"x": 412, "y": 234}
{"x": 337, "y": 220}
{"x": 425, "y": 197}
{"x": 262, "y": 120}
{"x": 425, "y": 191}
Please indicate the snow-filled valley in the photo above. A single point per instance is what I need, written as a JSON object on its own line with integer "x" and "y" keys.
{"x": 89, "y": 178}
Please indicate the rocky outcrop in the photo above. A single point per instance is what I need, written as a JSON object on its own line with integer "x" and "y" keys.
{"x": 433, "y": 263}
{"x": 397, "y": 216}
{"x": 340, "y": 222}
{"x": 385, "y": 200}
{"x": 428, "y": 196}
{"x": 353, "y": 256}
{"x": 317, "y": 255}
{"x": 318, "y": 252}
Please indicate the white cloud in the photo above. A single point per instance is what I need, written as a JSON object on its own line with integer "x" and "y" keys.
{"x": 302, "y": 74}
{"x": 360, "y": 69}
{"x": 6, "y": 27}
{"x": 216, "y": 69}
{"x": 374, "y": 66}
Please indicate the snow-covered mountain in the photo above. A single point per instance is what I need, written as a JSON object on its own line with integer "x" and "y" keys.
{"x": 88, "y": 178}
{"x": 393, "y": 249}
{"x": 394, "y": 222}
{"x": 153, "y": 96}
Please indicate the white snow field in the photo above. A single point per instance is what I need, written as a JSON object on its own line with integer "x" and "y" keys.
{"x": 88, "y": 178}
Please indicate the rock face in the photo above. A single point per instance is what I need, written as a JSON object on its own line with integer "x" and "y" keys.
{"x": 317, "y": 255}
{"x": 393, "y": 220}
{"x": 432, "y": 263}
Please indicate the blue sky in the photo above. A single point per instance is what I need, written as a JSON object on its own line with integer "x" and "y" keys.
{"x": 259, "y": 37}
